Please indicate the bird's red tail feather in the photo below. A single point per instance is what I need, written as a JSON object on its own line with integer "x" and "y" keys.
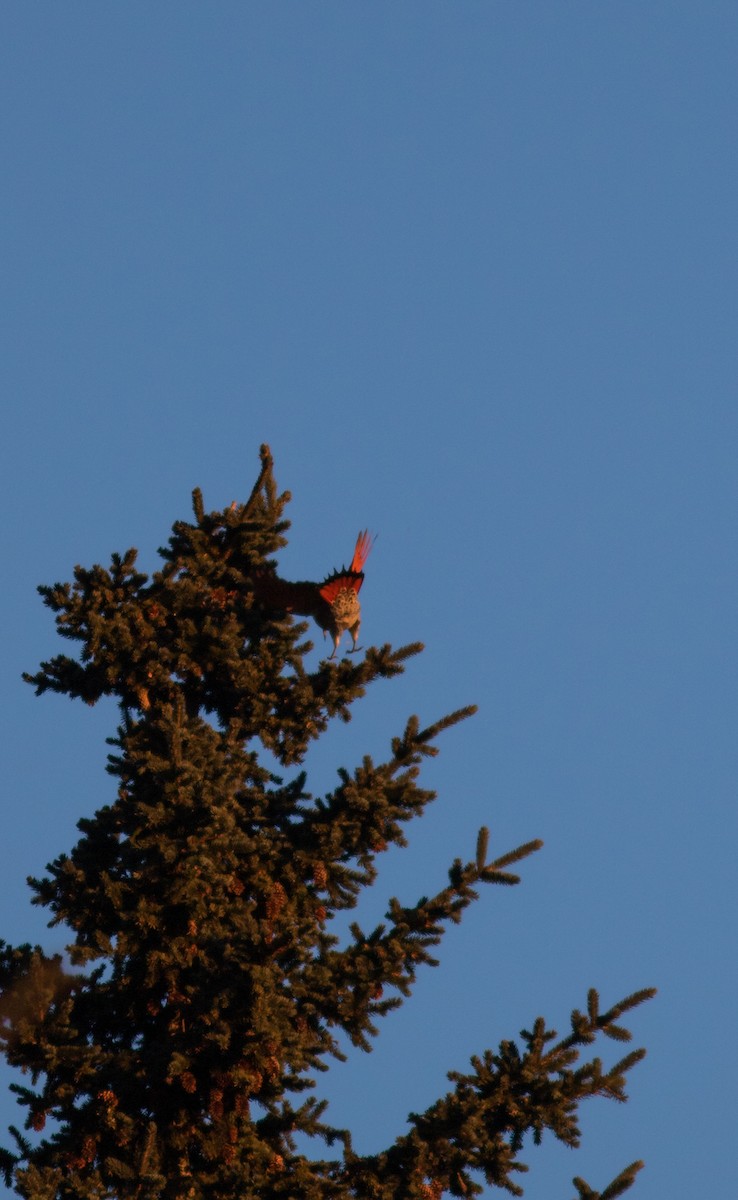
{"x": 364, "y": 543}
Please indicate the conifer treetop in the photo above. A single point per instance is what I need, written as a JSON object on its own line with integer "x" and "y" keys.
{"x": 179, "y": 1057}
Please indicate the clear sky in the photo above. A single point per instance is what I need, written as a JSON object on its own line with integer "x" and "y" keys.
{"x": 471, "y": 269}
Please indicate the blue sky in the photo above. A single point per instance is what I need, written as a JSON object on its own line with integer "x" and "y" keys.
{"x": 471, "y": 270}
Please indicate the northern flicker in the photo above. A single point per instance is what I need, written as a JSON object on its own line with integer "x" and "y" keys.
{"x": 333, "y": 604}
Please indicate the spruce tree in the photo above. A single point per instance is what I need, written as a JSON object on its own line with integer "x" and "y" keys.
{"x": 174, "y": 1055}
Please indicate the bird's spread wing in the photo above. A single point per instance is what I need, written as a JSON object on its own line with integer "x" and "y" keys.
{"x": 303, "y": 599}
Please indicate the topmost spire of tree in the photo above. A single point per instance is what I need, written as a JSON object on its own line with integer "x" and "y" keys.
{"x": 196, "y": 635}
{"x": 208, "y": 988}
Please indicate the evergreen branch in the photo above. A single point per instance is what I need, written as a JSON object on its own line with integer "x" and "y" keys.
{"x": 482, "y": 847}
{"x": 454, "y": 718}
{"x": 620, "y": 1184}
{"x": 367, "y": 811}
{"x": 198, "y": 507}
{"x": 482, "y": 1123}
{"x": 353, "y": 980}
{"x": 627, "y": 1004}
{"x": 21, "y": 1142}
{"x": 8, "y": 1162}
{"x": 264, "y": 481}
{"x": 516, "y": 855}
{"x": 585, "y": 1028}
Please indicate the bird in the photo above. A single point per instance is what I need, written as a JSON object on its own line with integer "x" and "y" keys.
{"x": 333, "y": 604}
